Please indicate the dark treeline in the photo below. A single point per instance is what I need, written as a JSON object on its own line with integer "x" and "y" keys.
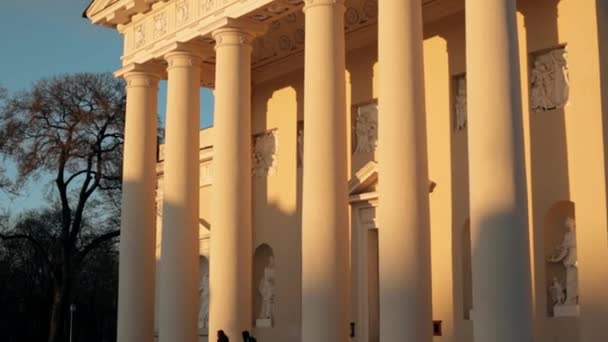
{"x": 26, "y": 291}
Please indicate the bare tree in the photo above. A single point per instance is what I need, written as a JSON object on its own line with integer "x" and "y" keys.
{"x": 69, "y": 129}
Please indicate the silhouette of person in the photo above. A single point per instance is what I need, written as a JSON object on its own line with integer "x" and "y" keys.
{"x": 247, "y": 337}
{"x": 221, "y": 336}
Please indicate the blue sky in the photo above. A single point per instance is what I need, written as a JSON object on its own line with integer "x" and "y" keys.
{"x": 42, "y": 38}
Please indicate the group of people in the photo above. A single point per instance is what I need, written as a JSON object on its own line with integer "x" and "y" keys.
{"x": 222, "y": 337}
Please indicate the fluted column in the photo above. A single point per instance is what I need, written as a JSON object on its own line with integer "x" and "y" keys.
{"x": 231, "y": 233}
{"x": 179, "y": 278}
{"x": 497, "y": 186}
{"x": 403, "y": 205}
{"x": 325, "y": 264}
{"x": 138, "y": 218}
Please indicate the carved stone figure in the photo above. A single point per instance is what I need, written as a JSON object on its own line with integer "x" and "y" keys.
{"x": 460, "y": 103}
{"x": 549, "y": 84}
{"x": 267, "y": 290}
{"x": 300, "y": 147}
{"x": 203, "y": 313}
{"x": 566, "y": 255}
{"x": 557, "y": 292}
{"x": 160, "y": 24}
{"x": 140, "y": 36}
{"x": 264, "y": 160}
{"x": 366, "y": 128}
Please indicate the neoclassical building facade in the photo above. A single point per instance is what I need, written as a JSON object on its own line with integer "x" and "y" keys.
{"x": 378, "y": 170}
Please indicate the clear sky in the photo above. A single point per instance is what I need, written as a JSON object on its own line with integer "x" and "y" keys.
{"x": 42, "y": 38}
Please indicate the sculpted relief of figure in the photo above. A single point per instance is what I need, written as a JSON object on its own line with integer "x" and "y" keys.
{"x": 565, "y": 253}
{"x": 366, "y": 128}
{"x": 203, "y": 313}
{"x": 264, "y": 161}
{"x": 300, "y": 146}
{"x": 267, "y": 290}
{"x": 460, "y": 103}
{"x": 549, "y": 83}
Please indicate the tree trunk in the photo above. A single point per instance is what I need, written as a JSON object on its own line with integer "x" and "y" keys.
{"x": 57, "y": 310}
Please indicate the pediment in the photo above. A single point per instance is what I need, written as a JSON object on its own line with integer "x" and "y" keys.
{"x": 365, "y": 180}
{"x": 98, "y": 5}
{"x": 115, "y": 12}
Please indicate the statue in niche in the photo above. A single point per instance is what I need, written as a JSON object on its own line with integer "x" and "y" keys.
{"x": 203, "y": 312}
{"x": 267, "y": 290}
{"x": 460, "y": 103}
{"x": 565, "y": 253}
{"x": 549, "y": 83}
{"x": 300, "y": 147}
{"x": 366, "y": 128}
{"x": 264, "y": 161}
{"x": 557, "y": 292}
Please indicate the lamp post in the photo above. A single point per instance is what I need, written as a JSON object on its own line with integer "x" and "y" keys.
{"x": 72, "y": 309}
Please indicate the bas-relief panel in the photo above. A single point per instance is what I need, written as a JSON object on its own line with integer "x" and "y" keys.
{"x": 264, "y": 155}
{"x": 460, "y": 102}
{"x": 366, "y": 128}
{"x": 549, "y": 81}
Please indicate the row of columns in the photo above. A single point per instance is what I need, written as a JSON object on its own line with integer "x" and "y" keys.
{"x": 231, "y": 245}
{"x": 501, "y": 280}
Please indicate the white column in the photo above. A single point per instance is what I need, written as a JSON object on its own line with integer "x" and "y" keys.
{"x": 138, "y": 221}
{"x": 403, "y": 204}
{"x": 325, "y": 238}
{"x": 179, "y": 266}
{"x": 231, "y": 232}
{"x": 499, "y": 225}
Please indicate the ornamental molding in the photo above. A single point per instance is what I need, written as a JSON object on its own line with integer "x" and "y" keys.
{"x": 549, "y": 80}
{"x": 149, "y": 35}
{"x": 264, "y": 155}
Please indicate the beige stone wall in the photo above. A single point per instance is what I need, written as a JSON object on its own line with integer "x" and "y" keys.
{"x": 565, "y": 160}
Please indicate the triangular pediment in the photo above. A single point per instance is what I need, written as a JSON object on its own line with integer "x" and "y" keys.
{"x": 365, "y": 180}
{"x": 98, "y": 5}
{"x": 115, "y": 12}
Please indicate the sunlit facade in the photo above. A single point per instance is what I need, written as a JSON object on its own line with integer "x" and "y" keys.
{"x": 378, "y": 170}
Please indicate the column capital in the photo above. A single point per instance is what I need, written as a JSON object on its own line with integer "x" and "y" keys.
{"x": 313, "y": 3}
{"x": 230, "y": 36}
{"x": 185, "y": 55}
{"x": 142, "y": 75}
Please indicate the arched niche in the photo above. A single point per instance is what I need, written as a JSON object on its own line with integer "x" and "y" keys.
{"x": 554, "y": 230}
{"x": 203, "y": 291}
{"x": 261, "y": 259}
{"x": 467, "y": 272}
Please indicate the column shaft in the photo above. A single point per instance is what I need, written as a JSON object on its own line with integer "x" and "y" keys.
{"x": 138, "y": 221}
{"x": 325, "y": 238}
{"x": 403, "y": 207}
{"x": 231, "y": 234}
{"x": 179, "y": 278}
{"x": 499, "y": 225}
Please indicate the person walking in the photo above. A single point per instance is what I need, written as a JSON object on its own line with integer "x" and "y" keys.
{"x": 221, "y": 336}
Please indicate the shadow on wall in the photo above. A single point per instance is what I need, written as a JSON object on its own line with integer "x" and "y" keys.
{"x": 278, "y": 105}
{"x": 602, "y": 29}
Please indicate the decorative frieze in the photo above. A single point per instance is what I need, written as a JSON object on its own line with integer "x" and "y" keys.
{"x": 160, "y": 24}
{"x": 549, "y": 83}
{"x": 366, "y": 128}
{"x": 264, "y": 159}
{"x": 460, "y": 102}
